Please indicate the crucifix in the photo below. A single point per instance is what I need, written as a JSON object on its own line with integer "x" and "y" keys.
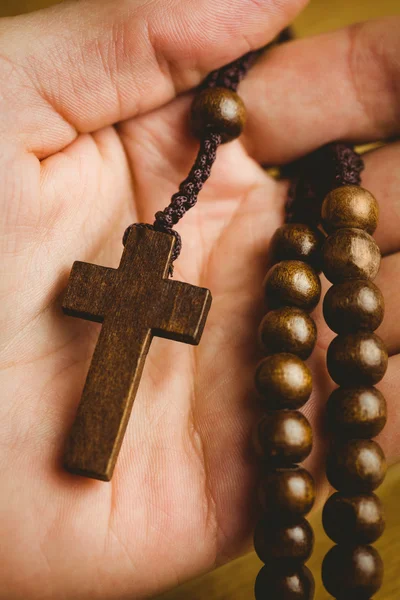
{"x": 134, "y": 302}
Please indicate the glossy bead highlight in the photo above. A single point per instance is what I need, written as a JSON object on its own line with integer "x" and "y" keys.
{"x": 353, "y": 519}
{"x": 283, "y": 437}
{"x": 350, "y": 206}
{"x": 350, "y": 254}
{"x": 218, "y": 110}
{"x": 356, "y": 467}
{"x": 292, "y": 283}
{"x": 284, "y": 381}
{"x": 288, "y": 329}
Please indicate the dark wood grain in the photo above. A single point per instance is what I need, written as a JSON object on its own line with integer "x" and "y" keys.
{"x": 134, "y": 302}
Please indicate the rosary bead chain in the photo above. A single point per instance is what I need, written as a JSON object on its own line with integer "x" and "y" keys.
{"x": 283, "y": 437}
{"x": 356, "y": 359}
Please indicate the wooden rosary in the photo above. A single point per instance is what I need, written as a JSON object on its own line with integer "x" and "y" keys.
{"x": 138, "y": 301}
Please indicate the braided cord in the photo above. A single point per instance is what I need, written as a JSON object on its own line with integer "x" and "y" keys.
{"x": 228, "y": 77}
{"x": 315, "y": 175}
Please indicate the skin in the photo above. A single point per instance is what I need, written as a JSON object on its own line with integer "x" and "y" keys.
{"x": 182, "y": 497}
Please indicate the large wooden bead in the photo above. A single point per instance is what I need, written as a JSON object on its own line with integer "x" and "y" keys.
{"x": 350, "y": 254}
{"x": 297, "y": 241}
{"x": 284, "y": 381}
{"x": 350, "y": 206}
{"x": 291, "y": 542}
{"x": 287, "y": 493}
{"x": 354, "y": 306}
{"x": 218, "y": 110}
{"x": 357, "y": 412}
{"x": 353, "y": 519}
{"x": 357, "y": 359}
{"x": 288, "y": 329}
{"x": 283, "y": 437}
{"x": 356, "y": 466}
{"x": 280, "y": 582}
{"x": 292, "y": 283}
{"x": 352, "y": 573}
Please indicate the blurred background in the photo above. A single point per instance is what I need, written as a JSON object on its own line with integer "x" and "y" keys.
{"x": 235, "y": 581}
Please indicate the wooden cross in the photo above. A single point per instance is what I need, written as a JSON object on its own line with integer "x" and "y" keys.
{"x": 134, "y": 303}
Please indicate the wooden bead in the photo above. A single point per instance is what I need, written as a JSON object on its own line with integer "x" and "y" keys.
{"x": 292, "y": 283}
{"x": 354, "y": 306}
{"x": 356, "y": 466}
{"x": 291, "y": 542}
{"x": 283, "y": 437}
{"x": 284, "y": 381}
{"x": 218, "y": 110}
{"x": 352, "y": 573}
{"x": 357, "y": 359}
{"x": 287, "y": 493}
{"x": 288, "y": 329}
{"x": 350, "y": 206}
{"x": 297, "y": 241}
{"x": 358, "y": 412}
{"x": 279, "y": 582}
{"x": 350, "y": 254}
{"x": 353, "y": 519}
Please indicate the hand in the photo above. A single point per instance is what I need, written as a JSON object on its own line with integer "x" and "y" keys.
{"x": 182, "y": 495}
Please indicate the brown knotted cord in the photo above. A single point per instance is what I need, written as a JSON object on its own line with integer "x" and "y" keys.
{"x": 227, "y": 77}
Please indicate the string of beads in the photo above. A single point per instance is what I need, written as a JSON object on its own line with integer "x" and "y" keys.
{"x": 283, "y": 538}
{"x": 357, "y": 359}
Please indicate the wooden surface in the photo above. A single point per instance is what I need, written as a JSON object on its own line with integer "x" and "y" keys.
{"x": 235, "y": 581}
{"x": 135, "y": 302}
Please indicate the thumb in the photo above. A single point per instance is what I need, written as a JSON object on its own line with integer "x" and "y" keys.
{"x": 77, "y": 67}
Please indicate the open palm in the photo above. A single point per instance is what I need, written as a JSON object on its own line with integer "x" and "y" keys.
{"x": 182, "y": 496}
